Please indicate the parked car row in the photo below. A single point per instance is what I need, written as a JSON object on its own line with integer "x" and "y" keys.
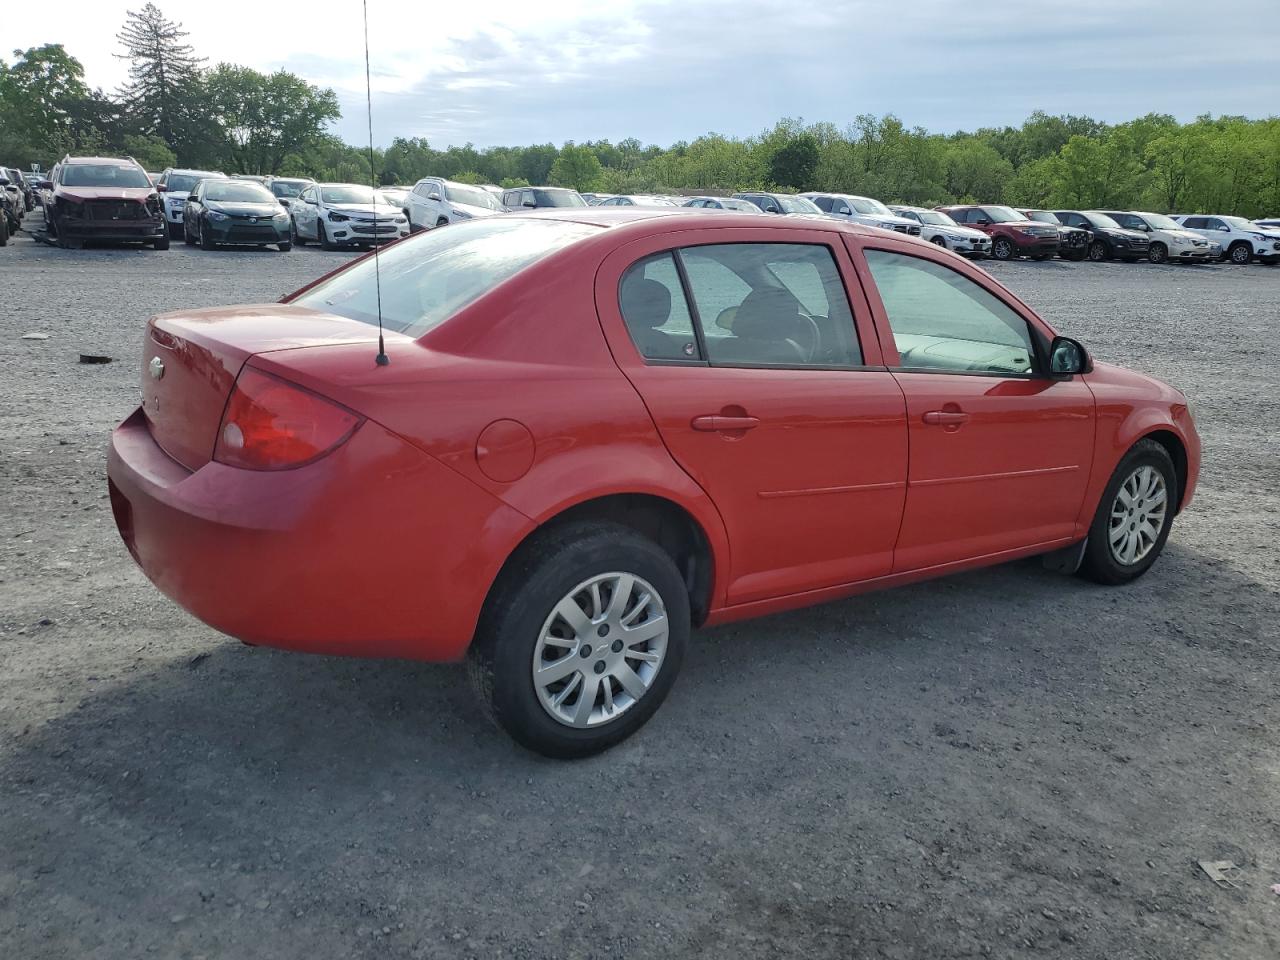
{"x": 108, "y": 198}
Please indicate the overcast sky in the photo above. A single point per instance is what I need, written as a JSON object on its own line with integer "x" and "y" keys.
{"x": 516, "y": 73}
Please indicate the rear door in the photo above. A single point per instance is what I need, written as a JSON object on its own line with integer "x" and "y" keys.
{"x": 764, "y": 379}
{"x": 1000, "y": 453}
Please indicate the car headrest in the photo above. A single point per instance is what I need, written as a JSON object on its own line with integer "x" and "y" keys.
{"x": 645, "y": 302}
{"x": 766, "y": 314}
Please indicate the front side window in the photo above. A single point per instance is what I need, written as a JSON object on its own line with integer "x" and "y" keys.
{"x": 823, "y": 203}
{"x": 944, "y": 322}
{"x": 652, "y": 303}
{"x": 777, "y": 304}
{"x": 428, "y": 278}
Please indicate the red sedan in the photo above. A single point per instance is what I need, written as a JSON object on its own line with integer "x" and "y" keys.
{"x": 597, "y": 430}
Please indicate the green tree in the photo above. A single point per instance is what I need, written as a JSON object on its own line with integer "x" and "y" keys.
{"x": 576, "y": 167}
{"x": 261, "y": 118}
{"x": 164, "y": 76}
{"x": 795, "y": 162}
{"x": 45, "y": 107}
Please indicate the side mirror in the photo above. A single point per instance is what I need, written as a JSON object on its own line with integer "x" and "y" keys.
{"x": 192, "y": 197}
{"x": 983, "y": 222}
{"x": 4, "y": 181}
{"x": 1224, "y": 229}
{"x": 1067, "y": 357}
{"x": 283, "y": 202}
{"x": 45, "y": 184}
{"x": 528, "y": 203}
{"x": 433, "y": 196}
{"x": 161, "y": 188}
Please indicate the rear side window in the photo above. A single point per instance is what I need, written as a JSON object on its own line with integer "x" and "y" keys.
{"x": 824, "y": 203}
{"x": 428, "y": 278}
{"x": 772, "y": 304}
{"x": 653, "y": 304}
{"x": 944, "y": 322}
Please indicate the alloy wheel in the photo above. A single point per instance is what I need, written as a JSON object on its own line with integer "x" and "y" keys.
{"x": 600, "y": 649}
{"x": 1002, "y": 249}
{"x": 1137, "y": 515}
{"x": 1097, "y": 251}
{"x": 1240, "y": 254}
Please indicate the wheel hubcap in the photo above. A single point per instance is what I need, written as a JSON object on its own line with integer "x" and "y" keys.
{"x": 600, "y": 649}
{"x": 1137, "y": 515}
{"x": 1240, "y": 255}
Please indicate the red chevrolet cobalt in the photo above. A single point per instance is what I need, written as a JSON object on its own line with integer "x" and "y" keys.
{"x": 596, "y": 430}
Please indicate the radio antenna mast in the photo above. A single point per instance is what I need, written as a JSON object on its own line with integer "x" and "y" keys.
{"x": 382, "y": 358}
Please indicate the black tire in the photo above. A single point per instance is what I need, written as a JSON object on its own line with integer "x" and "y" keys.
{"x": 1002, "y": 248}
{"x": 1158, "y": 253}
{"x": 186, "y": 235}
{"x": 940, "y": 241}
{"x": 1098, "y": 251}
{"x": 205, "y": 242}
{"x": 4, "y": 230}
{"x": 1100, "y": 564}
{"x": 174, "y": 228}
{"x": 161, "y": 243}
{"x": 296, "y": 238}
{"x": 323, "y": 234}
{"x": 284, "y": 246}
{"x": 1239, "y": 253}
{"x": 442, "y": 222}
{"x": 536, "y": 579}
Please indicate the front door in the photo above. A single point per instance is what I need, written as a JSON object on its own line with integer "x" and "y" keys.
{"x": 1000, "y": 454}
{"x": 761, "y": 386}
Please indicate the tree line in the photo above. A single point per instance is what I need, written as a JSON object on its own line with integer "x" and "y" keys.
{"x": 175, "y": 110}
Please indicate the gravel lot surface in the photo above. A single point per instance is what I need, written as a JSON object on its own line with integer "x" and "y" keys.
{"x": 1009, "y": 763}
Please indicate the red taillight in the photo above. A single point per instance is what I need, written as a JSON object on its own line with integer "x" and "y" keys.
{"x": 270, "y": 424}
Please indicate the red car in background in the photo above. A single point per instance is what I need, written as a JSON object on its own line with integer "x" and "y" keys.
{"x": 102, "y": 198}
{"x": 1012, "y": 233}
{"x": 599, "y": 429}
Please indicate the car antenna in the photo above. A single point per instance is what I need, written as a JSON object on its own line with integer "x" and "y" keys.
{"x": 382, "y": 358}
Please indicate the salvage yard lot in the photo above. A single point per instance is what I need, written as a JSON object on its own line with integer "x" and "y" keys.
{"x": 1005, "y": 763}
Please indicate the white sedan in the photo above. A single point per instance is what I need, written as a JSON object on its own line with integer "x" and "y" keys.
{"x": 938, "y": 228}
{"x": 345, "y": 215}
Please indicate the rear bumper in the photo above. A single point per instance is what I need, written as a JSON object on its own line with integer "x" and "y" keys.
{"x": 376, "y": 550}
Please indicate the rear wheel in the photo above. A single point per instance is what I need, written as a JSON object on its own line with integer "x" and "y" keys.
{"x": 581, "y": 639}
{"x": 1158, "y": 253}
{"x": 1003, "y": 249}
{"x": 1132, "y": 522}
{"x": 1240, "y": 253}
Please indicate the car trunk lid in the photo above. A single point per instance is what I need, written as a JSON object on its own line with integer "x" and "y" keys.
{"x": 191, "y": 359}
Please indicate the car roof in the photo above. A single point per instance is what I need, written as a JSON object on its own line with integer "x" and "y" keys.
{"x": 120, "y": 161}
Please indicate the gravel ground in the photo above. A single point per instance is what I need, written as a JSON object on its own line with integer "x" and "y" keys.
{"x": 1008, "y": 763}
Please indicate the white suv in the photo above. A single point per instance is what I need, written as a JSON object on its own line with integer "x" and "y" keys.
{"x": 937, "y": 227}
{"x": 863, "y": 210}
{"x": 178, "y": 185}
{"x": 1169, "y": 240}
{"x": 1242, "y": 240}
{"x": 434, "y": 202}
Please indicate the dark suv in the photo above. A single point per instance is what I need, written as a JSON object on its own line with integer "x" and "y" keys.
{"x": 1073, "y": 242}
{"x": 1107, "y": 239}
{"x": 102, "y": 198}
{"x": 1012, "y": 234}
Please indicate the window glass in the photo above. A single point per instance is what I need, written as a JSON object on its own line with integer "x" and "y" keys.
{"x": 944, "y": 321}
{"x": 652, "y": 303}
{"x": 428, "y": 278}
{"x": 959, "y": 216}
{"x": 1212, "y": 223}
{"x": 823, "y": 203}
{"x": 771, "y": 303}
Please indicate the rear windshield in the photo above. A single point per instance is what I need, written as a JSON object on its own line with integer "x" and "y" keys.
{"x": 430, "y": 277}
{"x": 122, "y": 175}
{"x": 558, "y": 198}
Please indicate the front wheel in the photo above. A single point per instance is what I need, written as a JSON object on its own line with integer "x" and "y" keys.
{"x": 1240, "y": 253}
{"x": 940, "y": 241}
{"x": 161, "y": 243}
{"x": 205, "y": 242}
{"x": 1098, "y": 251}
{"x": 1158, "y": 253}
{"x": 294, "y": 236}
{"x": 284, "y": 246}
{"x": 323, "y": 234}
{"x": 581, "y": 639}
{"x": 1003, "y": 249}
{"x": 1133, "y": 519}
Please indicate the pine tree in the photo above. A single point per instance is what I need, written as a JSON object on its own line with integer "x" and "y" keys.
{"x": 164, "y": 74}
